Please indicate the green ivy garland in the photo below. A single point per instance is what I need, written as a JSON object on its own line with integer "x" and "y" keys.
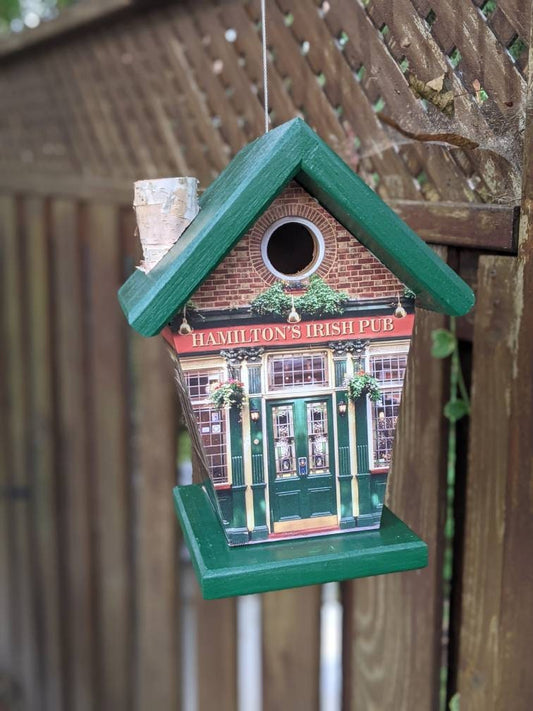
{"x": 318, "y": 301}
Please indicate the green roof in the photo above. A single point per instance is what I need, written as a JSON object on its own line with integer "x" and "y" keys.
{"x": 243, "y": 191}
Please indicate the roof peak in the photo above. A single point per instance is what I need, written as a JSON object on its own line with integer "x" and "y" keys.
{"x": 244, "y": 190}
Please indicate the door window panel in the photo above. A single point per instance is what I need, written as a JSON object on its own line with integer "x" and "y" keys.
{"x": 295, "y": 370}
{"x": 284, "y": 450}
{"x": 317, "y": 437}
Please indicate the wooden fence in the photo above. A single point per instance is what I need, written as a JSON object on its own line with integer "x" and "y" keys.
{"x": 93, "y": 583}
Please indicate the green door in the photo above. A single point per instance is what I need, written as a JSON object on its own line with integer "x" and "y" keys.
{"x": 301, "y": 464}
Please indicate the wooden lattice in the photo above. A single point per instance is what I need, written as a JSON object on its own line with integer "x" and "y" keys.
{"x": 178, "y": 90}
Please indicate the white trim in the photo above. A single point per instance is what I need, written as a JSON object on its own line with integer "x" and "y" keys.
{"x": 317, "y": 238}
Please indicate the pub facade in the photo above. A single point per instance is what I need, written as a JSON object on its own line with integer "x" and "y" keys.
{"x": 300, "y": 457}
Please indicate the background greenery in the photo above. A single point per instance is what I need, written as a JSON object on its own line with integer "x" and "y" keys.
{"x": 15, "y": 15}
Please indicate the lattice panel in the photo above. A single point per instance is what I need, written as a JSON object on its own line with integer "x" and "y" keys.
{"x": 178, "y": 90}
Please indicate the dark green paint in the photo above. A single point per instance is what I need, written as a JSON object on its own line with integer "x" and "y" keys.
{"x": 225, "y": 571}
{"x": 260, "y": 531}
{"x": 345, "y": 474}
{"x": 340, "y": 372}
{"x": 366, "y": 511}
{"x": 254, "y": 379}
{"x": 243, "y": 191}
{"x": 237, "y": 532}
{"x": 378, "y": 486}
{"x": 301, "y": 497}
{"x": 225, "y": 501}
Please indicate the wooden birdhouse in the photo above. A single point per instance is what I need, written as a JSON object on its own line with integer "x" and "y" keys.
{"x": 288, "y": 301}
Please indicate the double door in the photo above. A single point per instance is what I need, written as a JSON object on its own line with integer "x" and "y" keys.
{"x": 301, "y": 464}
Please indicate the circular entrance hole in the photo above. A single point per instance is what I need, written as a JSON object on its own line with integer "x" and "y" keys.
{"x": 292, "y": 249}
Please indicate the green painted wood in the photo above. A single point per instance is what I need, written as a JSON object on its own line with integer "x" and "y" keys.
{"x": 237, "y": 531}
{"x": 260, "y": 531}
{"x": 365, "y": 517}
{"x": 225, "y": 571}
{"x": 345, "y": 475}
{"x": 244, "y": 190}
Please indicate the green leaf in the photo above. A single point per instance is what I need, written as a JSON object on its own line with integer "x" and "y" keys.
{"x": 454, "y": 702}
{"x": 444, "y": 343}
{"x": 455, "y": 409}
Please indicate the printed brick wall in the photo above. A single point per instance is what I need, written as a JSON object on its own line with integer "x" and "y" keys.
{"x": 347, "y": 265}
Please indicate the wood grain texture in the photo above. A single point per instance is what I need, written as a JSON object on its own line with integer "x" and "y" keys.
{"x": 156, "y": 677}
{"x": 71, "y": 19}
{"x": 393, "y": 624}
{"x": 217, "y": 649}
{"x": 482, "y": 635}
{"x": 74, "y": 486}
{"x": 23, "y": 620}
{"x": 7, "y": 591}
{"x": 291, "y": 649}
{"x": 42, "y": 453}
{"x": 497, "y": 617}
{"x": 331, "y": 64}
{"x": 107, "y": 458}
{"x": 470, "y": 226}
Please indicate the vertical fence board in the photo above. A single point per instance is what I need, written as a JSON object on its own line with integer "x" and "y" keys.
{"x": 77, "y": 512}
{"x": 517, "y": 613}
{"x": 6, "y": 579}
{"x": 481, "y": 636}
{"x": 108, "y": 422}
{"x": 23, "y": 616}
{"x": 217, "y": 649}
{"x": 291, "y": 649}
{"x": 157, "y": 670}
{"x": 393, "y": 623}
{"x": 497, "y": 615}
{"x": 7, "y": 588}
{"x": 42, "y": 454}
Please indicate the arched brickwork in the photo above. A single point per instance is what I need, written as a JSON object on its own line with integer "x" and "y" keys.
{"x": 294, "y": 201}
{"x": 346, "y": 265}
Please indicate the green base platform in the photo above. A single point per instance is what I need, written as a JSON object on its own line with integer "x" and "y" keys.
{"x": 225, "y": 571}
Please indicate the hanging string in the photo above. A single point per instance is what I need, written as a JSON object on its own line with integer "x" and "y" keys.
{"x": 265, "y": 72}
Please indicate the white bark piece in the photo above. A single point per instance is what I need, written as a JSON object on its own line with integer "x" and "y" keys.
{"x": 164, "y": 208}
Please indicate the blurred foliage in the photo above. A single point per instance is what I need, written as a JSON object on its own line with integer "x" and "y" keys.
{"x": 9, "y": 9}
{"x": 16, "y": 14}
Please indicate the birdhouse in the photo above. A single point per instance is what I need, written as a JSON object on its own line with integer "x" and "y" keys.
{"x": 288, "y": 301}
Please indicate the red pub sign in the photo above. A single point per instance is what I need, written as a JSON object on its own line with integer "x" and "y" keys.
{"x": 309, "y": 332}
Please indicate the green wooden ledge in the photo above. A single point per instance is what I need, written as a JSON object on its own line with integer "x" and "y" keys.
{"x": 225, "y": 571}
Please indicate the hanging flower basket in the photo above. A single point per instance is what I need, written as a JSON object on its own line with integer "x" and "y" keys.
{"x": 229, "y": 394}
{"x": 362, "y": 384}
